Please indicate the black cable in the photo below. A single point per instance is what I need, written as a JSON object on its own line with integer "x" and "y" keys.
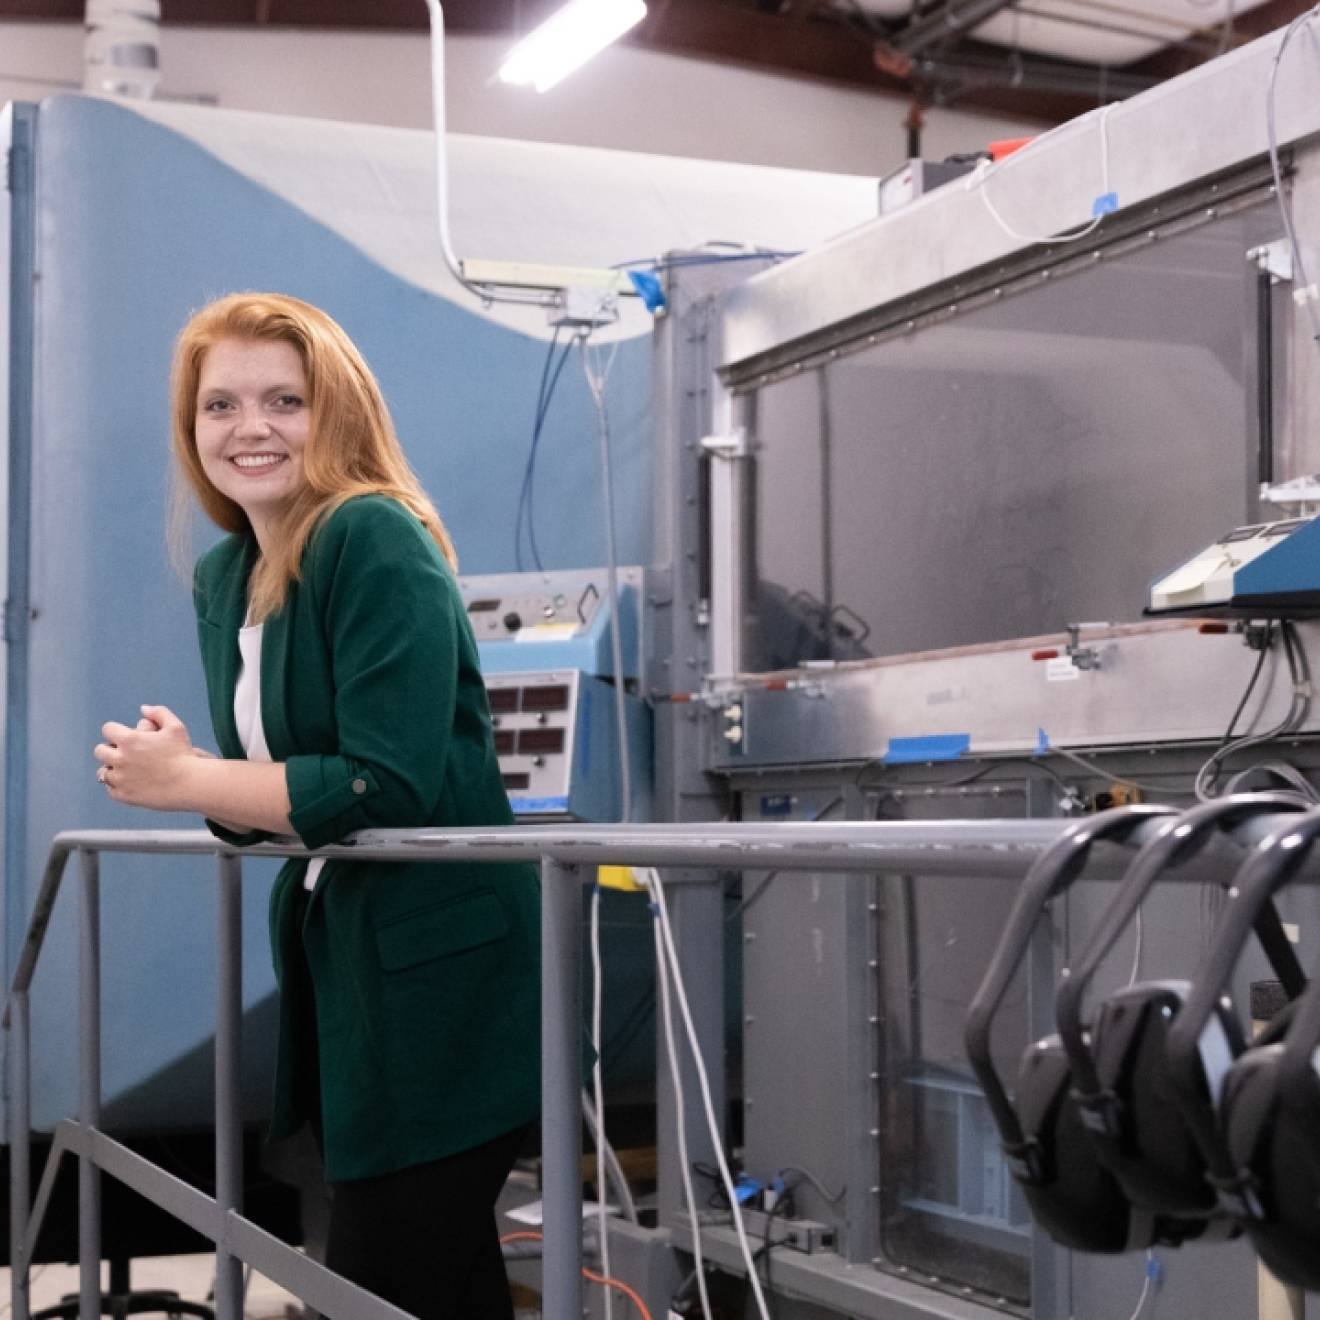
{"x": 536, "y": 418}
{"x": 526, "y": 497}
{"x": 760, "y": 889}
{"x": 822, "y": 1191}
{"x": 1265, "y": 648}
{"x": 986, "y": 769}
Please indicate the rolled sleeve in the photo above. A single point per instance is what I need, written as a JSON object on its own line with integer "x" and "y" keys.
{"x": 386, "y": 601}
{"x": 330, "y": 797}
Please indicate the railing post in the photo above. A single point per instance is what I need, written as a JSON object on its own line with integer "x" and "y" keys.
{"x": 228, "y": 1063}
{"x": 89, "y": 1085}
{"x": 561, "y": 1089}
{"x": 20, "y": 1151}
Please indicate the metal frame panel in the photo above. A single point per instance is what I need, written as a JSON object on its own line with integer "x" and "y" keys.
{"x": 1208, "y": 121}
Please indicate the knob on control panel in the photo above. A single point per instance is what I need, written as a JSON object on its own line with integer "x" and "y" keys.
{"x": 513, "y": 621}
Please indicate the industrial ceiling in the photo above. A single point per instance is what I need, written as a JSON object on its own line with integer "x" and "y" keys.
{"x": 1037, "y": 59}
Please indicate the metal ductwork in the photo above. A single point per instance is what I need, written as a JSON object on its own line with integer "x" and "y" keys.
{"x": 121, "y": 47}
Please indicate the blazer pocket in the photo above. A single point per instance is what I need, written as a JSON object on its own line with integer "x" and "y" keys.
{"x": 441, "y": 930}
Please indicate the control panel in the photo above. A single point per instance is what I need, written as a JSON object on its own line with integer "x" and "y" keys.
{"x": 556, "y": 735}
{"x": 554, "y": 620}
{"x": 1261, "y": 570}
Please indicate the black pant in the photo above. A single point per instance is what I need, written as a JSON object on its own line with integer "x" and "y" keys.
{"x": 425, "y": 1237}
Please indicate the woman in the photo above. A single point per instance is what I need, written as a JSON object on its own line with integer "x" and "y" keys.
{"x": 345, "y": 695}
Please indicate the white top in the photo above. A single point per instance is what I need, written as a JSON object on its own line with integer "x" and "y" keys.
{"x": 247, "y": 716}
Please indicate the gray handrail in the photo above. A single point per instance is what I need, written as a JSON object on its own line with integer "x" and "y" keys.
{"x": 989, "y": 849}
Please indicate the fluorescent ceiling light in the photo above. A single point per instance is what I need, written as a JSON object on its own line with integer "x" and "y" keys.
{"x": 568, "y": 39}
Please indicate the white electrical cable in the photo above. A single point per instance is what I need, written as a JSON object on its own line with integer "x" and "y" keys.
{"x": 712, "y": 1123}
{"x": 487, "y": 293}
{"x": 977, "y": 180}
{"x": 598, "y": 1092}
{"x": 615, "y": 1169}
{"x": 680, "y": 1109}
{"x": 1304, "y": 291}
{"x": 596, "y": 380}
{"x": 596, "y": 384}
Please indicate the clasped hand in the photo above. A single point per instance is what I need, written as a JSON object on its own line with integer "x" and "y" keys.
{"x": 147, "y": 766}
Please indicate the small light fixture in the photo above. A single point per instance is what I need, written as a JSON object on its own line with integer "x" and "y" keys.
{"x": 568, "y": 39}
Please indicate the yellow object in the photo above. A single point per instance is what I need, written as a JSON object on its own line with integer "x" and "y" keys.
{"x": 618, "y": 877}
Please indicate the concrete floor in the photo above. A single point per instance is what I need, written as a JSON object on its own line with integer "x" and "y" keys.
{"x": 189, "y": 1276}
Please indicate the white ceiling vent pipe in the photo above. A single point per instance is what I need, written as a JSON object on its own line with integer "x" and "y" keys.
{"x": 121, "y": 47}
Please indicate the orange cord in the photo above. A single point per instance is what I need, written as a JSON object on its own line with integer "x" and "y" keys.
{"x": 586, "y": 1273}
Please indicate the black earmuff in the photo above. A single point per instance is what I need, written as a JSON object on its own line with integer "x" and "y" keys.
{"x": 1124, "y": 1093}
{"x": 1072, "y": 1196}
{"x": 1262, "y": 1140}
{"x": 1206, "y": 1040}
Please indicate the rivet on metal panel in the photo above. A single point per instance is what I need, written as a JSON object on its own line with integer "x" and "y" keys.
{"x": 1211, "y": 212}
{"x": 749, "y": 936}
{"x": 873, "y": 1020}
{"x": 748, "y": 1020}
{"x": 874, "y": 963}
{"x": 875, "y": 1191}
{"x": 748, "y": 1102}
{"x": 875, "y": 1133}
{"x": 999, "y": 293}
{"x": 911, "y": 325}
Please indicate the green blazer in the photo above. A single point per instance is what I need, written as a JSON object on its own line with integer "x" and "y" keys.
{"x": 420, "y": 981}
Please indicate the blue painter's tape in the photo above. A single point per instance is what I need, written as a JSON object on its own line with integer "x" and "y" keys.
{"x": 1105, "y": 203}
{"x": 531, "y": 804}
{"x": 648, "y": 289}
{"x": 1042, "y": 742}
{"x": 933, "y": 747}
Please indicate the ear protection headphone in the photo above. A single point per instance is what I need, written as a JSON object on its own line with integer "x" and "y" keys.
{"x": 1122, "y": 1085}
{"x": 1072, "y": 1196}
{"x": 1257, "y": 1121}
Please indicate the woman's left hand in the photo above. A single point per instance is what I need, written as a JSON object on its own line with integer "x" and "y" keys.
{"x": 146, "y": 766}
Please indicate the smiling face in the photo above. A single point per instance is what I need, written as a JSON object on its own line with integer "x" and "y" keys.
{"x": 252, "y": 425}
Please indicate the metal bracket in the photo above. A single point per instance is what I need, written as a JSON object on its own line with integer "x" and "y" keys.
{"x": 1300, "y": 490}
{"x": 734, "y": 445}
{"x": 584, "y": 308}
{"x": 1084, "y": 657}
{"x": 1275, "y": 257}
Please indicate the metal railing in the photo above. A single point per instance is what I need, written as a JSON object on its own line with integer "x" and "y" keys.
{"x": 990, "y": 849}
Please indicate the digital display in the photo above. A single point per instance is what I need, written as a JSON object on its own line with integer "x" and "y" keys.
{"x": 503, "y": 699}
{"x": 516, "y": 780}
{"x": 541, "y": 740}
{"x": 503, "y": 742}
{"x": 482, "y": 606}
{"x": 1285, "y": 528}
{"x": 551, "y": 697}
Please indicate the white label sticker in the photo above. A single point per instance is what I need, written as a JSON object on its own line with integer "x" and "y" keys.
{"x": 546, "y": 632}
{"x": 1061, "y": 669}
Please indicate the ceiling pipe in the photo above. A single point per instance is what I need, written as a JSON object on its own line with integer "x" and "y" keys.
{"x": 949, "y": 21}
{"x": 968, "y": 73}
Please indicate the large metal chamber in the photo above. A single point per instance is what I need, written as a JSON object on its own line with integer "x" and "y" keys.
{"x": 953, "y": 459}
